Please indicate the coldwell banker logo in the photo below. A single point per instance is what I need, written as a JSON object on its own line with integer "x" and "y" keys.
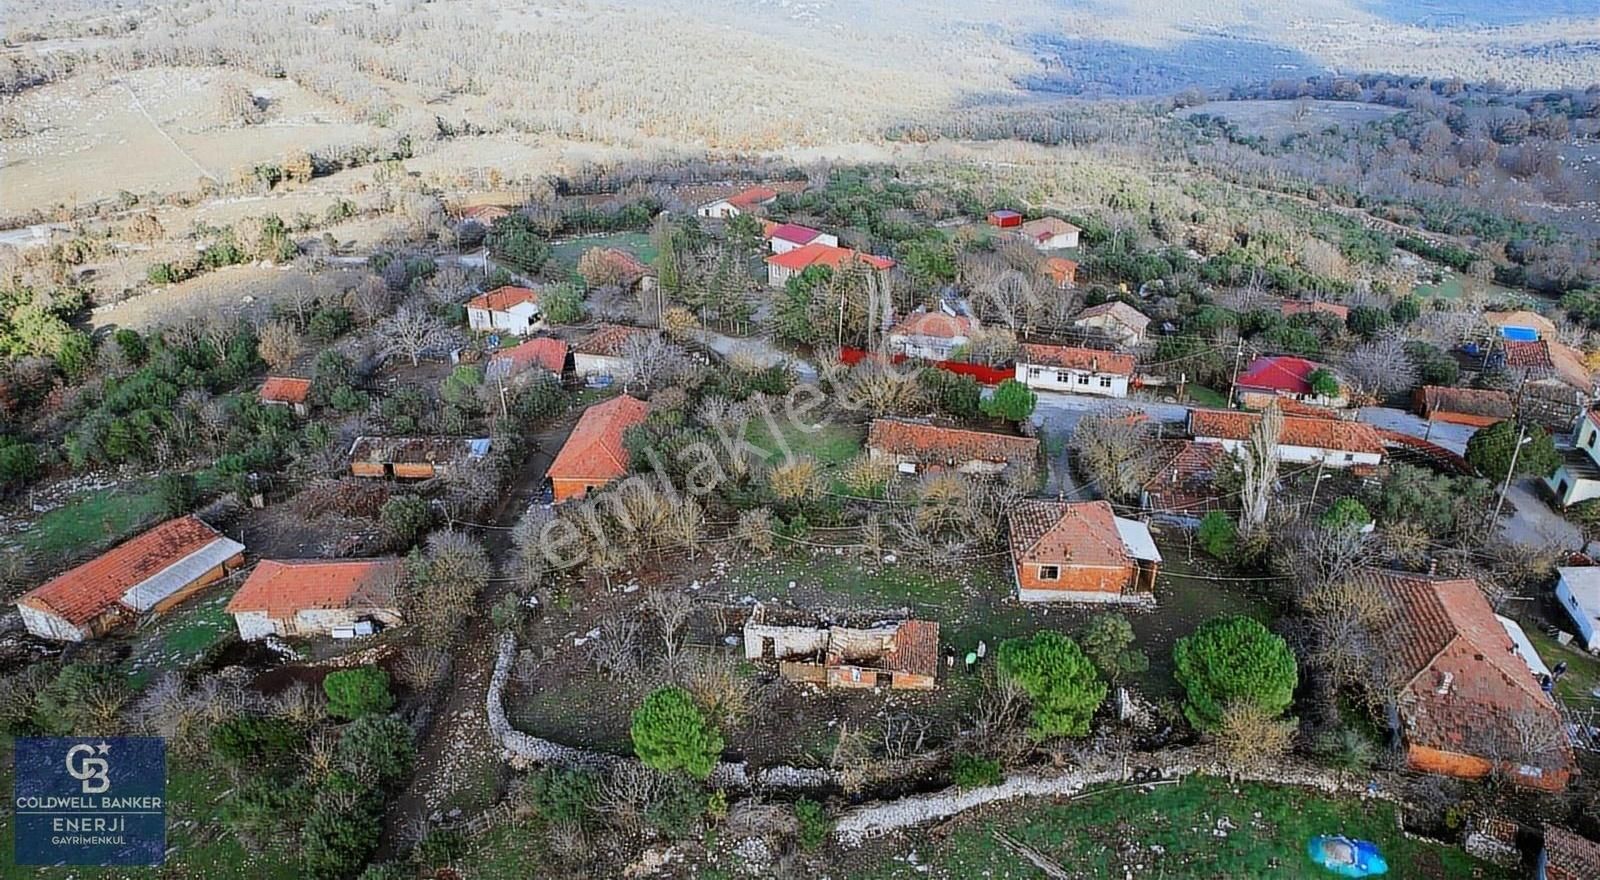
{"x": 83, "y": 801}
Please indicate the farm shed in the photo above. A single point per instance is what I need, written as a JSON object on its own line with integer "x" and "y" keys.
{"x": 303, "y": 597}
{"x": 412, "y": 458}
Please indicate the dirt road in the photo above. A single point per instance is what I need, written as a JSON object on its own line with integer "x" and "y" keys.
{"x": 457, "y": 736}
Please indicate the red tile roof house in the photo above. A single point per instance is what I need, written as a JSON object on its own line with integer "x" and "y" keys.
{"x": 484, "y": 215}
{"x": 601, "y": 357}
{"x": 593, "y": 455}
{"x": 1183, "y": 488}
{"x": 916, "y": 447}
{"x": 782, "y": 267}
{"x": 1470, "y": 700}
{"x": 1062, "y": 271}
{"x": 545, "y": 353}
{"x": 1123, "y": 323}
{"x": 286, "y": 391}
{"x": 1566, "y": 856}
{"x": 741, "y": 202}
{"x": 507, "y": 309}
{"x": 310, "y": 597}
{"x": 785, "y": 237}
{"x": 1280, "y": 376}
{"x": 151, "y": 572}
{"x": 1476, "y": 407}
{"x": 1050, "y": 233}
{"x": 1333, "y": 443}
{"x": 1081, "y": 552}
{"x": 1074, "y": 370}
{"x": 412, "y": 458}
{"x": 631, "y": 271}
{"x": 934, "y": 336}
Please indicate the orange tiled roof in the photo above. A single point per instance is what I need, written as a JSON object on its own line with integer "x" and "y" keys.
{"x": 608, "y": 339}
{"x": 285, "y": 389}
{"x": 484, "y": 213}
{"x": 1313, "y": 433}
{"x": 935, "y": 324}
{"x": 546, "y": 352}
{"x": 1467, "y": 401}
{"x": 1082, "y": 533}
{"x": 84, "y": 593}
{"x": 1062, "y": 270}
{"x": 1291, "y": 407}
{"x": 502, "y": 298}
{"x": 1528, "y": 355}
{"x": 594, "y": 451}
{"x": 1185, "y": 483}
{"x": 1074, "y": 358}
{"x": 755, "y": 195}
{"x": 933, "y": 444}
{"x": 914, "y": 648}
{"x": 1445, "y": 637}
{"x": 282, "y": 588}
{"x": 819, "y": 254}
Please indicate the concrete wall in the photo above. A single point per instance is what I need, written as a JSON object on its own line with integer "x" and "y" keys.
{"x": 1333, "y": 458}
{"x": 973, "y": 466}
{"x": 46, "y": 625}
{"x": 787, "y": 641}
{"x": 599, "y": 365}
{"x": 933, "y": 348}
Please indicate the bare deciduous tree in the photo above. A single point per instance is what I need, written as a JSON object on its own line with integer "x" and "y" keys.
{"x": 616, "y": 650}
{"x": 1258, "y": 466}
{"x": 411, "y": 332}
{"x": 671, "y": 611}
{"x": 1381, "y": 367}
{"x": 1115, "y": 448}
{"x": 278, "y": 344}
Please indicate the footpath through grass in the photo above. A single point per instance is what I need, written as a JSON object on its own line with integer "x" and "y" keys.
{"x": 1200, "y": 828}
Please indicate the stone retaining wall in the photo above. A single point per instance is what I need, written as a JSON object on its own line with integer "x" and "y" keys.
{"x": 522, "y": 750}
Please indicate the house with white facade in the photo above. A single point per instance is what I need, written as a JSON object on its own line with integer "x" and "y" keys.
{"x": 602, "y": 356}
{"x": 1334, "y": 443}
{"x": 741, "y": 202}
{"x": 785, "y": 237}
{"x": 934, "y": 335}
{"x": 1075, "y": 370}
{"x": 1578, "y": 477}
{"x": 1578, "y": 594}
{"x": 1050, "y": 233}
{"x": 513, "y": 310}
{"x": 787, "y": 264}
{"x": 322, "y": 597}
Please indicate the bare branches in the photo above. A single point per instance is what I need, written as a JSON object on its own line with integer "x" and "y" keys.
{"x": 411, "y": 332}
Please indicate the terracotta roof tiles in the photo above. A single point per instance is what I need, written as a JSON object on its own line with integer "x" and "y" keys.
{"x": 1569, "y": 856}
{"x": 283, "y": 588}
{"x": 819, "y": 254}
{"x": 1313, "y": 433}
{"x": 915, "y": 648}
{"x": 503, "y": 298}
{"x": 608, "y": 340}
{"x": 594, "y": 450}
{"x": 934, "y": 444}
{"x": 1081, "y": 533}
{"x": 935, "y": 324}
{"x": 1467, "y": 401}
{"x": 1073, "y": 358}
{"x": 285, "y": 389}
{"x": 81, "y": 594}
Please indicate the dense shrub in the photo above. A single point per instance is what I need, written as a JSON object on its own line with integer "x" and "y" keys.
{"x": 353, "y": 693}
{"x": 671, "y": 733}
{"x": 971, "y": 771}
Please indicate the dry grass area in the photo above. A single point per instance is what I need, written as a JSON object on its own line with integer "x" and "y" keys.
{"x": 235, "y": 290}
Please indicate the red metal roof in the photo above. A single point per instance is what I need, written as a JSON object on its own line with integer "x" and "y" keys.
{"x": 282, "y": 588}
{"x": 594, "y": 451}
{"x": 284, "y": 389}
{"x": 84, "y": 593}
{"x": 793, "y": 232}
{"x": 818, "y": 254}
{"x": 1279, "y": 374}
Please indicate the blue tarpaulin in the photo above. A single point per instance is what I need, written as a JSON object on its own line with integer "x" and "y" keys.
{"x": 1346, "y": 857}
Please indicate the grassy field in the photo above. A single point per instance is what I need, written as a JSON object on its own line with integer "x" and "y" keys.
{"x": 92, "y": 520}
{"x": 1583, "y": 670}
{"x": 1203, "y": 396}
{"x": 834, "y": 444}
{"x": 636, "y": 243}
{"x": 1172, "y": 832}
{"x": 178, "y": 639}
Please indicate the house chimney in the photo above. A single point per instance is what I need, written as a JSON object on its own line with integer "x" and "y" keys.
{"x": 1433, "y": 567}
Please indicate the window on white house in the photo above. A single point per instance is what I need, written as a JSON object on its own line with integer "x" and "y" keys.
{"x": 1049, "y": 572}
{"x": 1034, "y": 372}
{"x": 1349, "y": 457}
{"x": 1592, "y": 435}
{"x": 1063, "y": 376}
{"x": 1083, "y": 379}
{"x": 1105, "y": 381}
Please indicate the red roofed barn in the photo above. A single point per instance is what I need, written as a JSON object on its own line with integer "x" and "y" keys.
{"x": 303, "y": 597}
{"x": 594, "y": 455}
{"x": 151, "y": 572}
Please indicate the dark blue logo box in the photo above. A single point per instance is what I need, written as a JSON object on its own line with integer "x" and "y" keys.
{"x": 90, "y": 800}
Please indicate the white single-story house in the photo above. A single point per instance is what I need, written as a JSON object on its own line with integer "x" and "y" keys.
{"x": 738, "y": 203}
{"x": 326, "y": 597}
{"x": 1335, "y": 443}
{"x": 1578, "y": 592}
{"x": 1050, "y": 233}
{"x": 1117, "y": 320}
{"x": 151, "y": 572}
{"x": 508, "y": 309}
{"x": 1074, "y": 370}
{"x": 934, "y": 335}
{"x": 602, "y": 355}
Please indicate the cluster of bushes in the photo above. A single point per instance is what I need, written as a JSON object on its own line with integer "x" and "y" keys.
{"x": 36, "y": 323}
{"x": 270, "y": 240}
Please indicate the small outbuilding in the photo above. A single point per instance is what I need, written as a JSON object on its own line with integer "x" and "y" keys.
{"x": 286, "y": 391}
{"x": 1080, "y": 552}
{"x": 412, "y": 458}
{"x": 1005, "y": 219}
{"x": 506, "y": 309}
{"x": 305, "y": 597}
{"x": 1578, "y": 593}
{"x": 901, "y": 656}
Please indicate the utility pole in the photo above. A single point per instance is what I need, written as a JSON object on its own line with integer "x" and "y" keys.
{"x": 1522, "y": 434}
{"x": 1238, "y": 355}
{"x": 1317, "y": 485}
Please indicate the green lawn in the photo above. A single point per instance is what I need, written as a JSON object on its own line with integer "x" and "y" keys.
{"x": 1171, "y": 831}
{"x": 92, "y": 520}
{"x": 510, "y": 852}
{"x": 1583, "y": 670}
{"x": 833, "y": 444}
{"x": 636, "y": 243}
{"x": 1203, "y": 396}
{"x": 182, "y": 636}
